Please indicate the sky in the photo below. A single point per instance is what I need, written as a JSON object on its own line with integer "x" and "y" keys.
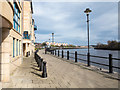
{"x": 67, "y": 21}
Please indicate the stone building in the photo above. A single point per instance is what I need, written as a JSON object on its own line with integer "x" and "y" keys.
{"x": 28, "y": 29}
{"x": 11, "y": 36}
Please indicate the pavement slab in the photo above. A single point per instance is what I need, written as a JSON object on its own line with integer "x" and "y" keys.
{"x": 61, "y": 74}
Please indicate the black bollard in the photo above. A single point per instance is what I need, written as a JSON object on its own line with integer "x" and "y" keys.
{"x": 27, "y": 54}
{"x": 62, "y": 54}
{"x": 39, "y": 60}
{"x": 58, "y": 53}
{"x": 41, "y": 64}
{"x": 45, "y": 51}
{"x": 44, "y": 74}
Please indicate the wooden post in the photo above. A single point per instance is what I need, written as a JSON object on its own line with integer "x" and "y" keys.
{"x": 67, "y": 55}
{"x": 110, "y": 64}
{"x": 75, "y": 56}
{"x": 62, "y": 54}
{"x": 88, "y": 59}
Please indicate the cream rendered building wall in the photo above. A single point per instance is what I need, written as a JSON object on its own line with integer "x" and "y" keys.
{"x": 8, "y": 63}
{"x": 27, "y": 16}
{"x": 27, "y": 19}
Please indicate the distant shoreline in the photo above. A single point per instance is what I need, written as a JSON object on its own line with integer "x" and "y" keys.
{"x": 71, "y": 48}
{"x": 107, "y": 49}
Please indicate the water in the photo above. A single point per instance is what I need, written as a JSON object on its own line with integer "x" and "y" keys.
{"x": 95, "y": 52}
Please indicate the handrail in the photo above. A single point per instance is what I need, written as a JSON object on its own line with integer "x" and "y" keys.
{"x": 99, "y": 56}
{"x": 82, "y": 54}
{"x": 110, "y": 58}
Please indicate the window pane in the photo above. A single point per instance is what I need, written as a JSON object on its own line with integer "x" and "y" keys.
{"x": 19, "y": 47}
{"x": 13, "y": 47}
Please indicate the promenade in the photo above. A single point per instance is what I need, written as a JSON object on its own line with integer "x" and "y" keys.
{"x": 61, "y": 74}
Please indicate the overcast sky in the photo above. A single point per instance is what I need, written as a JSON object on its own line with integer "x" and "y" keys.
{"x": 68, "y": 21}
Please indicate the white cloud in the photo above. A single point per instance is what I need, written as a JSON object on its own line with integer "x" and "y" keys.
{"x": 75, "y": 0}
{"x": 67, "y": 21}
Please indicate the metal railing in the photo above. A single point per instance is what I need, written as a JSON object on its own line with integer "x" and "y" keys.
{"x": 68, "y": 56}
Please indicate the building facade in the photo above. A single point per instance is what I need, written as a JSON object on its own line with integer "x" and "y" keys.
{"x": 11, "y": 36}
{"x": 28, "y": 29}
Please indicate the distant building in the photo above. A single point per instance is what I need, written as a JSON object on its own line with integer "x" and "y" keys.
{"x": 38, "y": 45}
{"x": 56, "y": 44}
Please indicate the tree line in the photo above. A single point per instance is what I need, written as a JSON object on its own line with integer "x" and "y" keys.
{"x": 112, "y": 45}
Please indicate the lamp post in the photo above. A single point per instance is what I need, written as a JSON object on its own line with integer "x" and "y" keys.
{"x": 53, "y": 38}
{"x": 87, "y": 11}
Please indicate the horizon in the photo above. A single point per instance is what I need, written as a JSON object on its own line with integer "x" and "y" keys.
{"x": 67, "y": 21}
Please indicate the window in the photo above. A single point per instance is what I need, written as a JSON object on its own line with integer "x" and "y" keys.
{"x": 17, "y": 47}
{"x": 13, "y": 47}
{"x": 19, "y": 1}
{"x": 16, "y": 18}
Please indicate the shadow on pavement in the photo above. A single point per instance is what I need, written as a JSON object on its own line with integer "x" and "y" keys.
{"x": 37, "y": 74}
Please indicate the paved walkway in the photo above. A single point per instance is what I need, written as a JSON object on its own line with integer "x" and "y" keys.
{"x": 61, "y": 74}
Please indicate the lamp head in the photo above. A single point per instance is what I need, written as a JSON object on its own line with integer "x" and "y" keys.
{"x": 87, "y": 11}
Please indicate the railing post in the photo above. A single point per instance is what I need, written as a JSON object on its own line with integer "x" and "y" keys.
{"x": 88, "y": 59}
{"x": 62, "y": 54}
{"x": 67, "y": 55}
{"x": 110, "y": 64}
{"x": 75, "y": 56}
{"x": 58, "y": 53}
{"x": 55, "y": 52}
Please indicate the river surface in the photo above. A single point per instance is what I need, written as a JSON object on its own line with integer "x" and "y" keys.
{"x": 103, "y": 53}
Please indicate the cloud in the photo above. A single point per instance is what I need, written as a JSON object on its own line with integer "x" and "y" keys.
{"x": 68, "y": 21}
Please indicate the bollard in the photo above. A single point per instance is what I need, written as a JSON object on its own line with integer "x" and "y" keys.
{"x": 35, "y": 56}
{"x": 44, "y": 74}
{"x": 88, "y": 59}
{"x": 58, "y": 53}
{"x": 75, "y": 56}
{"x": 41, "y": 64}
{"x": 67, "y": 55}
{"x": 45, "y": 51}
{"x": 53, "y": 52}
{"x": 110, "y": 64}
{"x": 62, "y": 54}
{"x": 39, "y": 60}
{"x": 27, "y": 54}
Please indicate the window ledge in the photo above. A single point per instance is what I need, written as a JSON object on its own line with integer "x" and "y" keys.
{"x": 17, "y": 32}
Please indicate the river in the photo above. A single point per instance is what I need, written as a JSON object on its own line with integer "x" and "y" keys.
{"x": 104, "y": 53}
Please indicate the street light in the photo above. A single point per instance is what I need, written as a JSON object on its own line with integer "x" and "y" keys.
{"x": 87, "y": 11}
{"x": 53, "y": 38}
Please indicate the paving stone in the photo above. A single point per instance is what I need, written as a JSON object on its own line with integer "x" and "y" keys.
{"x": 61, "y": 74}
